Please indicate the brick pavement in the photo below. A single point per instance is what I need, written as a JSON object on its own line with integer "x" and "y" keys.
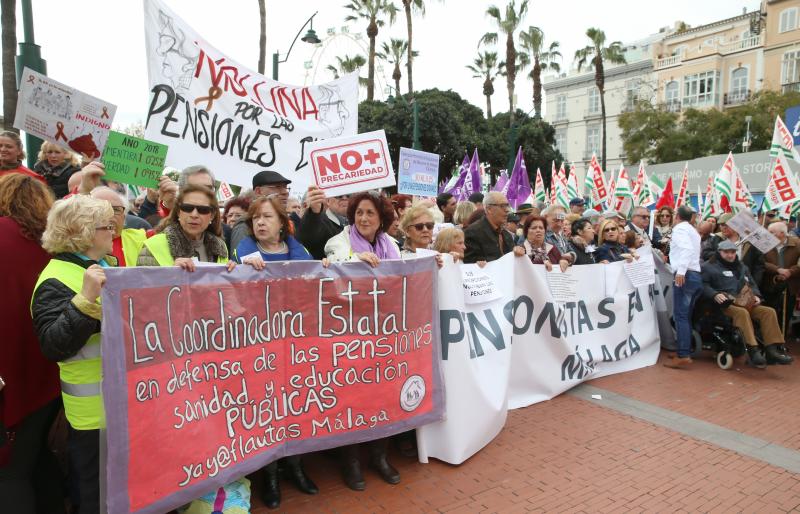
{"x": 571, "y": 455}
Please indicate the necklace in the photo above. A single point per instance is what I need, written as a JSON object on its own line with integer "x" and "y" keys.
{"x": 281, "y": 249}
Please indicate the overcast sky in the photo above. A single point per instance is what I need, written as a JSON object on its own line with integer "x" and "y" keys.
{"x": 98, "y": 46}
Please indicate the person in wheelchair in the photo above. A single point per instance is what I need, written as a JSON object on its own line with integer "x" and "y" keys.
{"x": 728, "y": 283}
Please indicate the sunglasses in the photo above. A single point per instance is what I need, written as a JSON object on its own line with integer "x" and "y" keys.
{"x": 201, "y": 209}
{"x": 419, "y": 226}
{"x": 610, "y": 229}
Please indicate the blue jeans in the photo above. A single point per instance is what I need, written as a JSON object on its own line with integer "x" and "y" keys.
{"x": 683, "y": 299}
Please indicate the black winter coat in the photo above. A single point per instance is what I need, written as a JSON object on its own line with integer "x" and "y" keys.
{"x": 315, "y": 231}
{"x": 719, "y": 276}
{"x": 751, "y": 256}
{"x": 62, "y": 329}
{"x": 483, "y": 243}
{"x": 57, "y": 177}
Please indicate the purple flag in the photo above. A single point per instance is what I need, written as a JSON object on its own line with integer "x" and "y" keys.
{"x": 472, "y": 184}
{"x": 519, "y": 186}
{"x": 457, "y": 190}
{"x": 502, "y": 180}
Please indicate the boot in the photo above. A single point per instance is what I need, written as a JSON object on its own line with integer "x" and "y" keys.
{"x": 378, "y": 462}
{"x": 679, "y": 363}
{"x": 271, "y": 495}
{"x": 351, "y": 468}
{"x": 754, "y": 357}
{"x": 776, "y": 354}
{"x": 297, "y": 475}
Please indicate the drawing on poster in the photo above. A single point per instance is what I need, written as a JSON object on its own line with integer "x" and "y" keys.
{"x": 179, "y": 60}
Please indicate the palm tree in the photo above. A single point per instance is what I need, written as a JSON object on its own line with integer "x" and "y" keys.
{"x": 393, "y": 53}
{"x": 419, "y": 6}
{"x": 8, "y": 20}
{"x": 486, "y": 67}
{"x": 593, "y": 56}
{"x": 507, "y": 24}
{"x": 533, "y": 43}
{"x": 372, "y": 11}
{"x": 262, "y": 39}
{"x": 347, "y": 65}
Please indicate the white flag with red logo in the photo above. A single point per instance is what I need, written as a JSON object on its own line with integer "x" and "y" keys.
{"x": 623, "y": 198}
{"x": 724, "y": 184}
{"x": 742, "y": 199}
{"x": 783, "y": 186}
{"x": 599, "y": 190}
{"x": 683, "y": 190}
{"x": 783, "y": 142}
{"x": 710, "y": 206}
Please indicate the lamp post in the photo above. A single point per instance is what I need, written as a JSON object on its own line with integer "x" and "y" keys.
{"x": 30, "y": 56}
{"x": 415, "y": 143}
{"x": 746, "y": 143}
{"x": 310, "y": 37}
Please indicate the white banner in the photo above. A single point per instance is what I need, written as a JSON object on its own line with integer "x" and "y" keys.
{"x": 213, "y": 111}
{"x": 522, "y": 347}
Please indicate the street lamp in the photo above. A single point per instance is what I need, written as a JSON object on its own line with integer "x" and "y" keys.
{"x": 746, "y": 143}
{"x": 415, "y": 144}
{"x": 310, "y": 37}
{"x": 30, "y": 55}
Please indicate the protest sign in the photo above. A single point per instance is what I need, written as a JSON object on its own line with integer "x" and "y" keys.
{"x": 63, "y": 115}
{"x": 351, "y": 164}
{"x": 211, "y": 375}
{"x": 641, "y": 272}
{"x": 208, "y": 108}
{"x": 562, "y": 286}
{"x": 132, "y": 160}
{"x": 525, "y": 347}
{"x": 418, "y": 174}
{"x": 749, "y": 230}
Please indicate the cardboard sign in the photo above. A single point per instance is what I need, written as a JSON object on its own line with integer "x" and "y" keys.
{"x": 211, "y": 375}
{"x": 63, "y": 115}
{"x": 131, "y": 160}
{"x": 352, "y": 164}
{"x": 749, "y": 230}
{"x": 419, "y": 173}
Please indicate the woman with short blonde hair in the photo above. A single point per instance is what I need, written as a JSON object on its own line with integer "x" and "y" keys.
{"x": 72, "y": 224}
{"x": 56, "y": 164}
{"x": 463, "y": 211}
{"x": 450, "y": 240}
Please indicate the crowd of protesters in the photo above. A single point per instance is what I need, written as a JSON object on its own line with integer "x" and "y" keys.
{"x": 66, "y": 225}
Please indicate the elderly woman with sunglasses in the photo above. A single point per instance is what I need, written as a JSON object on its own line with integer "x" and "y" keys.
{"x": 663, "y": 228}
{"x": 418, "y": 224}
{"x": 192, "y": 233}
{"x": 611, "y": 244}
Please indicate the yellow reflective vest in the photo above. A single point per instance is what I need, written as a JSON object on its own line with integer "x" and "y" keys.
{"x": 159, "y": 248}
{"x": 132, "y": 241}
{"x": 82, "y": 373}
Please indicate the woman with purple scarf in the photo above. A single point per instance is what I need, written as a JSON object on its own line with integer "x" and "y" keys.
{"x": 365, "y": 239}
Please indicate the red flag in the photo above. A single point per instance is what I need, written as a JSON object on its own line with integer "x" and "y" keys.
{"x": 667, "y": 199}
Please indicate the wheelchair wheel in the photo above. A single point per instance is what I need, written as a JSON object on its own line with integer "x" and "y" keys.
{"x": 724, "y": 360}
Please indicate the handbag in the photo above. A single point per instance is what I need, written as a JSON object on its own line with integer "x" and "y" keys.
{"x": 745, "y": 298}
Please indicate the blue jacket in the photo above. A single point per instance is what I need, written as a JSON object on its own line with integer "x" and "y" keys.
{"x": 297, "y": 252}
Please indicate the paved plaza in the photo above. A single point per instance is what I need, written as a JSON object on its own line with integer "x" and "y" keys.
{"x": 659, "y": 440}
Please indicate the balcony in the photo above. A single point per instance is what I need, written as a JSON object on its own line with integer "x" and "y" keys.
{"x": 560, "y": 118}
{"x": 673, "y": 106}
{"x": 743, "y": 44}
{"x": 793, "y": 86}
{"x": 591, "y": 114}
{"x": 669, "y": 62}
{"x": 737, "y": 97}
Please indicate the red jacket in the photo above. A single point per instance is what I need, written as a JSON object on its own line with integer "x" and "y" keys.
{"x": 25, "y": 171}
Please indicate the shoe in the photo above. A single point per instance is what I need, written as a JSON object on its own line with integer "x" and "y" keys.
{"x": 679, "y": 363}
{"x": 671, "y": 355}
{"x": 351, "y": 473}
{"x": 271, "y": 495}
{"x": 385, "y": 470}
{"x": 754, "y": 357}
{"x": 297, "y": 475}
{"x": 776, "y": 354}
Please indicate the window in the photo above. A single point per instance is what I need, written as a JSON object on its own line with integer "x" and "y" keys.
{"x": 561, "y": 141}
{"x": 594, "y": 100}
{"x": 790, "y": 68}
{"x": 672, "y": 96}
{"x": 739, "y": 81}
{"x": 631, "y": 93}
{"x": 700, "y": 88}
{"x": 561, "y": 107}
{"x": 592, "y": 139}
{"x": 788, "y": 20}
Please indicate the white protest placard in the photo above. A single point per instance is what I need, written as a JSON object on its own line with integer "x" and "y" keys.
{"x": 479, "y": 287}
{"x": 346, "y": 165}
{"x": 63, "y": 115}
{"x": 563, "y": 286}
{"x": 418, "y": 174}
{"x": 641, "y": 271}
{"x": 749, "y": 230}
{"x": 210, "y": 109}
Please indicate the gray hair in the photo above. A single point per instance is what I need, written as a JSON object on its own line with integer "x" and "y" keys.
{"x": 780, "y": 226}
{"x": 106, "y": 189}
{"x": 193, "y": 170}
{"x": 551, "y": 209}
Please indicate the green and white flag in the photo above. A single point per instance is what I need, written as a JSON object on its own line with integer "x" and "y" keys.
{"x": 623, "y": 196}
{"x": 783, "y": 187}
{"x": 783, "y": 142}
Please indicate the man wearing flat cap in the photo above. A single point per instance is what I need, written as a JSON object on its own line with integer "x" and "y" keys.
{"x": 577, "y": 205}
{"x": 748, "y": 254}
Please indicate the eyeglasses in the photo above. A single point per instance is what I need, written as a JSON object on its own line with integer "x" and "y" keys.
{"x": 110, "y": 227}
{"x": 419, "y": 226}
{"x": 118, "y": 209}
{"x": 201, "y": 209}
{"x": 609, "y": 229}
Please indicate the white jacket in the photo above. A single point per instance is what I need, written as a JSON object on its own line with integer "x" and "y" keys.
{"x": 338, "y": 249}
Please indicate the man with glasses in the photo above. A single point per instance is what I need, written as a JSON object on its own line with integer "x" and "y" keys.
{"x": 554, "y": 235}
{"x": 486, "y": 239}
{"x": 323, "y": 219}
{"x": 640, "y": 223}
{"x": 127, "y": 242}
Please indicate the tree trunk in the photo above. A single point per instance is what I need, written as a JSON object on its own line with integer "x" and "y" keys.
{"x": 396, "y": 76}
{"x": 410, "y": 54}
{"x": 262, "y": 40}
{"x": 511, "y": 71}
{"x": 372, "y": 33}
{"x": 488, "y": 106}
{"x": 599, "y": 77}
{"x": 603, "y": 116}
{"x": 8, "y": 20}
{"x": 537, "y": 89}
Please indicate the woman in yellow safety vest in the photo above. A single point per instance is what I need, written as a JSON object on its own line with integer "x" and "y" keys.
{"x": 192, "y": 233}
{"x": 66, "y": 313}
